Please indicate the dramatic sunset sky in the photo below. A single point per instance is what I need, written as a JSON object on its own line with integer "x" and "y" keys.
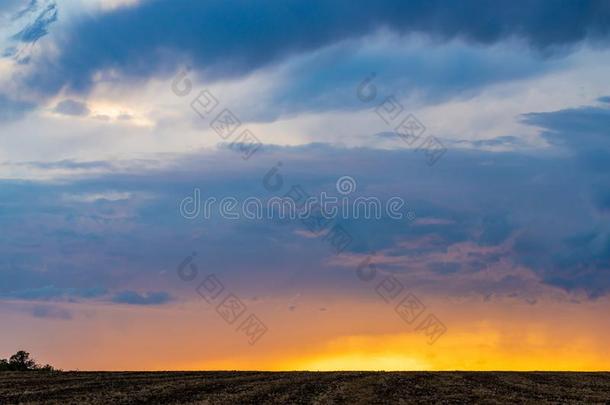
{"x": 504, "y": 245}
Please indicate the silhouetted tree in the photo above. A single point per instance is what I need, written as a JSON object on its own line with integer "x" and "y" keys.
{"x": 47, "y": 367}
{"x": 21, "y": 361}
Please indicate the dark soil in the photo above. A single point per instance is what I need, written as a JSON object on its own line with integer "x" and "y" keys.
{"x": 229, "y": 387}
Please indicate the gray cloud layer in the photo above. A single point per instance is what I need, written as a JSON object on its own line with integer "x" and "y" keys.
{"x": 547, "y": 212}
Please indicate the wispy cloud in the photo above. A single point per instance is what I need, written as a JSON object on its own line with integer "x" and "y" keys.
{"x": 135, "y": 298}
{"x": 51, "y": 312}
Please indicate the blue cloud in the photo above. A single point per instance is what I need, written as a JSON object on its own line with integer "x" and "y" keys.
{"x": 72, "y": 107}
{"x": 50, "y": 312}
{"x": 605, "y": 99}
{"x": 582, "y": 132}
{"x": 51, "y": 292}
{"x": 12, "y": 109}
{"x": 549, "y": 204}
{"x": 135, "y": 298}
{"x": 581, "y": 258}
{"x": 331, "y": 78}
{"x": 45, "y": 16}
{"x": 602, "y": 201}
{"x": 496, "y": 229}
{"x": 229, "y": 38}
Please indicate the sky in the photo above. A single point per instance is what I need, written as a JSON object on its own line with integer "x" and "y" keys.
{"x": 487, "y": 123}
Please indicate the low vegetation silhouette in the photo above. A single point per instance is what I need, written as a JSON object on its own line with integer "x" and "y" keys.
{"x": 22, "y": 361}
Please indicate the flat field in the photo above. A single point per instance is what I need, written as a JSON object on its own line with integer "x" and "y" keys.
{"x": 228, "y": 387}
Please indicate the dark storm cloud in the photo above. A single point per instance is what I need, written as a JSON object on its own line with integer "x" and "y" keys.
{"x": 583, "y": 132}
{"x": 580, "y": 130}
{"x": 228, "y": 38}
{"x": 582, "y": 257}
{"x": 580, "y": 261}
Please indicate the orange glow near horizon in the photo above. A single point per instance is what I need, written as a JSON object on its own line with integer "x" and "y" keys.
{"x": 490, "y": 336}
